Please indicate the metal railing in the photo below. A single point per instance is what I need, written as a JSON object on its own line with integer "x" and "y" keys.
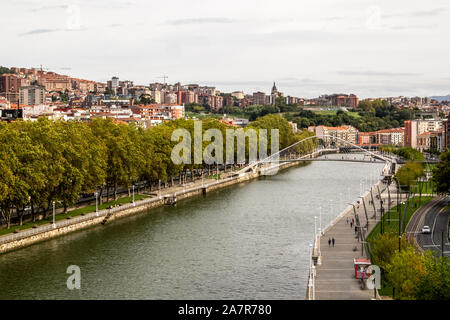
{"x": 101, "y": 213}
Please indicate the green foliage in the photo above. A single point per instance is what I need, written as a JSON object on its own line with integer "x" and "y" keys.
{"x": 5, "y": 70}
{"x": 406, "y": 153}
{"x": 384, "y": 247}
{"x": 441, "y": 173}
{"x": 109, "y": 91}
{"x": 145, "y": 99}
{"x": 404, "y": 271}
{"x": 408, "y": 174}
{"x": 46, "y": 161}
{"x": 435, "y": 283}
{"x": 411, "y": 274}
{"x": 372, "y": 116}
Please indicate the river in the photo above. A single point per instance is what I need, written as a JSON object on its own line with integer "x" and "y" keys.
{"x": 249, "y": 241}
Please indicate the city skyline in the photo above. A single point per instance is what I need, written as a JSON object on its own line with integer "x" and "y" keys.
{"x": 308, "y": 48}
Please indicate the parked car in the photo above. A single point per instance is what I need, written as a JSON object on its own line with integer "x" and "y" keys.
{"x": 426, "y": 230}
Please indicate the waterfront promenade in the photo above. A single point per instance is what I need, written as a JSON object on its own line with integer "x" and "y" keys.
{"x": 335, "y": 278}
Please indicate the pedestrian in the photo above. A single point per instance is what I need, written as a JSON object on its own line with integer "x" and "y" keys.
{"x": 353, "y": 221}
{"x": 329, "y": 242}
{"x": 347, "y": 220}
{"x": 356, "y": 229}
{"x": 351, "y": 225}
{"x": 333, "y": 242}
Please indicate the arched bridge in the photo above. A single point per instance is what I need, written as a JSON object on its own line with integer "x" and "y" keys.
{"x": 316, "y": 148}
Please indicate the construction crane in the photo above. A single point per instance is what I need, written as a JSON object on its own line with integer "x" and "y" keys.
{"x": 164, "y": 77}
{"x": 51, "y": 68}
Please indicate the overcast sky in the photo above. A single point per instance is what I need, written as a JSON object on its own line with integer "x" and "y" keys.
{"x": 309, "y": 47}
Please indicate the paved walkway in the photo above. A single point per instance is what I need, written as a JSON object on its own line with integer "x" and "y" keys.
{"x": 335, "y": 276}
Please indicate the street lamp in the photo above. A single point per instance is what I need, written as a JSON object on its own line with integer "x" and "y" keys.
{"x": 320, "y": 219}
{"x": 133, "y": 193}
{"x": 54, "y": 223}
{"x": 319, "y": 258}
{"x": 159, "y": 186}
{"x": 96, "y": 203}
{"x": 315, "y": 227}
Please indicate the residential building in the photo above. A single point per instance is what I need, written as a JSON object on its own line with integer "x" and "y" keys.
{"x": 32, "y": 95}
{"x": 259, "y": 98}
{"x": 338, "y": 136}
{"x": 367, "y": 138}
{"x": 392, "y": 137}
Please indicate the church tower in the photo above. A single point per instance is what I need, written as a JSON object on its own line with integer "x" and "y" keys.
{"x": 274, "y": 89}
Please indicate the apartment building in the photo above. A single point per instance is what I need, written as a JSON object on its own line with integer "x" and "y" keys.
{"x": 342, "y": 134}
{"x": 414, "y": 128}
{"x": 32, "y": 95}
{"x": 392, "y": 137}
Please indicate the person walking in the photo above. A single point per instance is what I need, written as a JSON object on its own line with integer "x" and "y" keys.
{"x": 347, "y": 220}
{"x": 351, "y": 224}
{"x": 329, "y": 242}
{"x": 333, "y": 241}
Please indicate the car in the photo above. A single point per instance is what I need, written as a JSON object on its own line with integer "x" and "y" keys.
{"x": 426, "y": 230}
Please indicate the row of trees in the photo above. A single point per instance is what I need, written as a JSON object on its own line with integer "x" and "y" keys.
{"x": 406, "y": 153}
{"x": 46, "y": 161}
{"x": 409, "y": 173}
{"x": 411, "y": 274}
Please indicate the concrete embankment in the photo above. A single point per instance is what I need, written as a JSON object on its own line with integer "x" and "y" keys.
{"x": 42, "y": 233}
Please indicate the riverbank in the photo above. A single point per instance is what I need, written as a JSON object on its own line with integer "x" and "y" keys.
{"x": 45, "y": 232}
{"x": 333, "y": 271}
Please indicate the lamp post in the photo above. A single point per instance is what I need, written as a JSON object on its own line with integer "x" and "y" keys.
{"x": 319, "y": 258}
{"x": 96, "y": 203}
{"x": 315, "y": 227}
{"x": 159, "y": 187}
{"x": 133, "y": 193}
{"x": 54, "y": 223}
{"x": 310, "y": 282}
{"x": 320, "y": 219}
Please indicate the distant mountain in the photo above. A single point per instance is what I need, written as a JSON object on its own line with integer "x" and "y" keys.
{"x": 442, "y": 98}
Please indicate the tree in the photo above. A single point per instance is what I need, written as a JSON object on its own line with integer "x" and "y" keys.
{"x": 408, "y": 174}
{"x": 273, "y": 121}
{"x": 441, "y": 173}
{"x": 384, "y": 247}
{"x": 435, "y": 284}
{"x": 5, "y": 70}
{"x": 404, "y": 272}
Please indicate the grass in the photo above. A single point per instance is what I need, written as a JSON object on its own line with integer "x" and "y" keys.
{"x": 386, "y": 290}
{"x": 213, "y": 176}
{"x": 333, "y": 112}
{"x": 427, "y": 187}
{"x": 216, "y": 116}
{"x": 393, "y": 225}
{"x": 72, "y": 213}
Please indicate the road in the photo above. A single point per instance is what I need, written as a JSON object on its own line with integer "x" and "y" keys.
{"x": 437, "y": 220}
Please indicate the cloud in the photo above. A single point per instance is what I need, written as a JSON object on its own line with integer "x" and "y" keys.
{"x": 38, "y": 31}
{"x": 428, "y": 13}
{"x": 422, "y": 13}
{"x": 377, "y": 74}
{"x": 199, "y": 21}
{"x": 49, "y": 8}
{"x": 405, "y": 27}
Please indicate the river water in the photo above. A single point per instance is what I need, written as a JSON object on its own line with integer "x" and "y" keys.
{"x": 248, "y": 241}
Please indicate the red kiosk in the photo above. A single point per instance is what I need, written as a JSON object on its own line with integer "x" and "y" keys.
{"x": 362, "y": 268}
